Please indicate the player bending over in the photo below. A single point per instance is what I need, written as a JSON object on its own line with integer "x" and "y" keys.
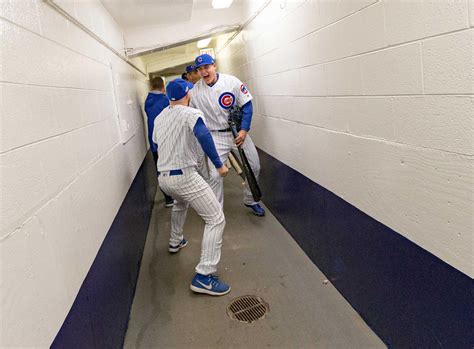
{"x": 180, "y": 133}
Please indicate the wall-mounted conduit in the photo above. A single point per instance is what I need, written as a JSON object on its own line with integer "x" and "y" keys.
{"x": 244, "y": 25}
{"x": 73, "y": 20}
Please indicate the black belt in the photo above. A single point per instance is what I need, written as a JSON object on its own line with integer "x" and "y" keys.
{"x": 224, "y": 130}
{"x": 173, "y": 172}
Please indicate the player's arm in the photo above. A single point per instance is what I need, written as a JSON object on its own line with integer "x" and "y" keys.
{"x": 207, "y": 143}
{"x": 150, "y": 124}
{"x": 244, "y": 101}
{"x": 247, "y": 112}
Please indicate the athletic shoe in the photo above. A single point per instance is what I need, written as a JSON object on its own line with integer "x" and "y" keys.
{"x": 173, "y": 249}
{"x": 209, "y": 284}
{"x": 169, "y": 203}
{"x": 257, "y": 209}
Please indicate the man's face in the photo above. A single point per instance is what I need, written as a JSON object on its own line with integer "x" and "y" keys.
{"x": 194, "y": 76}
{"x": 208, "y": 73}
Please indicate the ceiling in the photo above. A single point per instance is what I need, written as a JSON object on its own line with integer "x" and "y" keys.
{"x": 155, "y": 24}
{"x": 173, "y": 61}
{"x": 135, "y": 13}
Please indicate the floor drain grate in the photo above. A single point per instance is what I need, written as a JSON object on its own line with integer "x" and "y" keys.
{"x": 247, "y": 308}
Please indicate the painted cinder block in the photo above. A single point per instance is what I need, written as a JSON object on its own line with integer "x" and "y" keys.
{"x": 331, "y": 11}
{"x": 364, "y": 31}
{"x": 27, "y": 115}
{"x": 27, "y": 262}
{"x": 471, "y": 12}
{"x": 305, "y": 19}
{"x": 316, "y": 111}
{"x": 393, "y": 71}
{"x": 54, "y": 26}
{"x": 90, "y": 196}
{"x": 58, "y": 162}
{"x": 24, "y": 13}
{"x": 297, "y": 53}
{"x": 89, "y": 107}
{"x": 371, "y": 117}
{"x": 344, "y": 77}
{"x": 326, "y": 44}
{"x": 313, "y": 81}
{"x": 365, "y": 117}
{"x": 85, "y": 151}
{"x": 409, "y": 189}
{"x": 413, "y": 20}
{"x": 67, "y": 105}
{"x": 288, "y": 83}
{"x": 64, "y": 171}
{"x": 438, "y": 122}
{"x": 29, "y": 59}
{"x": 22, "y": 186}
{"x": 448, "y": 66}
{"x": 59, "y": 223}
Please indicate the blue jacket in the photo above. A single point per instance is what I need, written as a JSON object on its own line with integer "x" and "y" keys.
{"x": 154, "y": 104}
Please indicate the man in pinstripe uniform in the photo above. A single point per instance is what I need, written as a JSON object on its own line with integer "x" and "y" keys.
{"x": 214, "y": 94}
{"x": 181, "y": 136}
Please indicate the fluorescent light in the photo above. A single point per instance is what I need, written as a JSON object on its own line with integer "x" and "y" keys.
{"x": 217, "y": 4}
{"x": 203, "y": 43}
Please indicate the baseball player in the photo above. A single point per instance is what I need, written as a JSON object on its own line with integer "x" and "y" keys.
{"x": 192, "y": 74}
{"x": 155, "y": 102}
{"x": 181, "y": 136}
{"x": 214, "y": 94}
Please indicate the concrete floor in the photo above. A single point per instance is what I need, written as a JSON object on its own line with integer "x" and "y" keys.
{"x": 260, "y": 258}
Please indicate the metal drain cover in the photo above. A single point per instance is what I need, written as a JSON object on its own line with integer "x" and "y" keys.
{"x": 247, "y": 309}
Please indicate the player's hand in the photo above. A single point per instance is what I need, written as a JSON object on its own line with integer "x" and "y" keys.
{"x": 240, "y": 138}
{"x": 223, "y": 171}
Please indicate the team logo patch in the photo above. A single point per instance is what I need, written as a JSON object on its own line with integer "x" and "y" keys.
{"x": 199, "y": 59}
{"x": 226, "y": 100}
{"x": 243, "y": 89}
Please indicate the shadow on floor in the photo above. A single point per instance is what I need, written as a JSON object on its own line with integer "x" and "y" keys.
{"x": 259, "y": 258}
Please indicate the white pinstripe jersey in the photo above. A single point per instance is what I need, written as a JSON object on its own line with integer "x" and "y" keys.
{"x": 178, "y": 148}
{"x": 215, "y": 101}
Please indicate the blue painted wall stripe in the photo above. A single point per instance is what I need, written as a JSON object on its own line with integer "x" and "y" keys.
{"x": 408, "y": 296}
{"x": 99, "y": 315}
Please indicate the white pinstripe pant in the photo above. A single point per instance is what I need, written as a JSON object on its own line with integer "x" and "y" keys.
{"x": 224, "y": 142}
{"x": 191, "y": 189}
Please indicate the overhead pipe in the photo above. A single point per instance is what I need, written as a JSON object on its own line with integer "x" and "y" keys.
{"x": 73, "y": 20}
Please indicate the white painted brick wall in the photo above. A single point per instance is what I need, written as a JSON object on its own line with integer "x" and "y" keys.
{"x": 448, "y": 63}
{"x": 64, "y": 170}
{"x": 414, "y": 20}
{"x": 375, "y": 102}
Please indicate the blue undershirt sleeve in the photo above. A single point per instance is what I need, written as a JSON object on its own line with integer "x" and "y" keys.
{"x": 247, "y": 111}
{"x": 205, "y": 139}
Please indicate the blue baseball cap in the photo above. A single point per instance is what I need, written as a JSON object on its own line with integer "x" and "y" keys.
{"x": 177, "y": 89}
{"x": 190, "y": 68}
{"x": 203, "y": 60}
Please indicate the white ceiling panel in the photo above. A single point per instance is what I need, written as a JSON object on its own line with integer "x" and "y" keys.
{"x": 137, "y": 13}
{"x": 151, "y": 24}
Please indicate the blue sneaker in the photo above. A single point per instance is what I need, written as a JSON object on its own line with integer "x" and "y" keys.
{"x": 209, "y": 284}
{"x": 174, "y": 249}
{"x": 257, "y": 209}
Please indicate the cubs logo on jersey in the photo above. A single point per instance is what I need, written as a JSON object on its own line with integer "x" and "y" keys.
{"x": 226, "y": 100}
{"x": 243, "y": 89}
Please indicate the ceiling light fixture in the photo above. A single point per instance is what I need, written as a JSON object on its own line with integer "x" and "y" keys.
{"x": 203, "y": 43}
{"x": 218, "y": 4}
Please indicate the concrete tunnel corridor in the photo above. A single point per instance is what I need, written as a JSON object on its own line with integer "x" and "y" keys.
{"x": 363, "y": 122}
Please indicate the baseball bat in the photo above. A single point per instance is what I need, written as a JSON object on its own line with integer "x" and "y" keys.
{"x": 234, "y": 160}
{"x": 251, "y": 180}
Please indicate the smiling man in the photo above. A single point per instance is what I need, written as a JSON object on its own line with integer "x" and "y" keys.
{"x": 214, "y": 94}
